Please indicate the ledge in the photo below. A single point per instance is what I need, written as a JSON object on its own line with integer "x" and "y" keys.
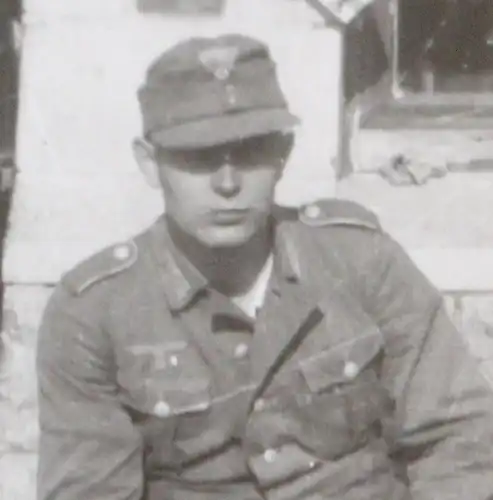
{"x": 373, "y": 148}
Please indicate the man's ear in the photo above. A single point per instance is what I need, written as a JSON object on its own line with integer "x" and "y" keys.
{"x": 145, "y": 156}
{"x": 280, "y": 168}
{"x": 290, "y": 137}
{"x": 280, "y": 171}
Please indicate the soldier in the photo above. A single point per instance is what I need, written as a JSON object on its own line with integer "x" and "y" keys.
{"x": 236, "y": 350}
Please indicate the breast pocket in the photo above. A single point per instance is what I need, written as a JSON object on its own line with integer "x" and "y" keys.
{"x": 167, "y": 391}
{"x": 177, "y": 422}
{"x": 344, "y": 399}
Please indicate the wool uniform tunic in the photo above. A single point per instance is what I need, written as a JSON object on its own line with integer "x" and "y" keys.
{"x": 350, "y": 383}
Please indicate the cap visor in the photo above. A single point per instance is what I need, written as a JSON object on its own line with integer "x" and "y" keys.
{"x": 226, "y": 128}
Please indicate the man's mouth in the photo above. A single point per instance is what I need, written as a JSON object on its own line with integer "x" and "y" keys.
{"x": 228, "y": 217}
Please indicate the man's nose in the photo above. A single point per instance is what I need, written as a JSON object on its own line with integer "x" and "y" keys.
{"x": 226, "y": 180}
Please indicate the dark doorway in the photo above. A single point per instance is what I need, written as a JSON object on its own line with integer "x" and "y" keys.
{"x": 10, "y": 13}
{"x": 446, "y": 46}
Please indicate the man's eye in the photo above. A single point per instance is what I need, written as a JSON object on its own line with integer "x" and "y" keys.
{"x": 196, "y": 161}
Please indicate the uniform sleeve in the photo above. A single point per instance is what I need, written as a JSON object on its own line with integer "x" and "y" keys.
{"x": 88, "y": 446}
{"x": 443, "y": 426}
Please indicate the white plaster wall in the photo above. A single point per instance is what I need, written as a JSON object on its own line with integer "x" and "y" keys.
{"x": 78, "y": 188}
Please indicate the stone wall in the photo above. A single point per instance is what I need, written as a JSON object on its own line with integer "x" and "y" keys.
{"x": 18, "y": 416}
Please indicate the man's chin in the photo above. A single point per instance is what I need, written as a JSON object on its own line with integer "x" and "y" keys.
{"x": 225, "y": 237}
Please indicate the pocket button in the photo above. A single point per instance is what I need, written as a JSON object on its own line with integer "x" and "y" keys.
{"x": 121, "y": 252}
{"x": 351, "y": 369}
{"x": 270, "y": 455}
{"x": 162, "y": 409}
{"x": 312, "y": 211}
{"x": 241, "y": 350}
{"x": 259, "y": 405}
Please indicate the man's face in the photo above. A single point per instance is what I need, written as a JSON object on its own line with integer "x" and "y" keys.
{"x": 223, "y": 195}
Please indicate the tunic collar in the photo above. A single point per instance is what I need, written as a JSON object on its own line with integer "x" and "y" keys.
{"x": 182, "y": 281}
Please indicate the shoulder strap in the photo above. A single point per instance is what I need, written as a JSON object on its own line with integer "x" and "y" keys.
{"x": 109, "y": 262}
{"x": 335, "y": 212}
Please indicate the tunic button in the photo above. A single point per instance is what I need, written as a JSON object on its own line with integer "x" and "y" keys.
{"x": 121, "y": 252}
{"x": 259, "y": 404}
{"x": 351, "y": 369}
{"x": 173, "y": 360}
{"x": 241, "y": 350}
{"x": 270, "y": 455}
{"x": 312, "y": 211}
{"x": 312, "y": 464}
{"x": 162, "y": 409}
{"x": 222, "y": 74}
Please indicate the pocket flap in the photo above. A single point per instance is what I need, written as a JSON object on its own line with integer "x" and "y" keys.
{"x": 166, "y": 400}
{"x": 191, "y": 396}
{"x": 341, "y": 363}
{"x": 174, "y": 383}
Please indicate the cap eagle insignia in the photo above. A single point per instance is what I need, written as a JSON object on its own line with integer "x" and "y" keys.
{"x": 219, "y": 61}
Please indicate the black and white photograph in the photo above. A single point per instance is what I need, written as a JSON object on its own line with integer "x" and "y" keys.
{"x": 246, "y": 250}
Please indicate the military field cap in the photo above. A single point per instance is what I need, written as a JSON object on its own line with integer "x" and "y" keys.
{"x": 210, "y": 91}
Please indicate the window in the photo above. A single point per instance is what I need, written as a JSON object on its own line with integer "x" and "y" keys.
{"x": 440, "y": 64}
{"x": 445, "y": 46}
